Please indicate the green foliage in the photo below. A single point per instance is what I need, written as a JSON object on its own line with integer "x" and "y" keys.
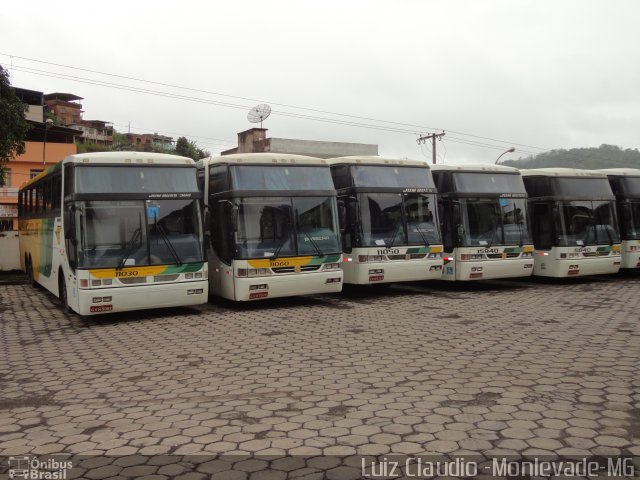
{"x": 13, "y": 125}
{"x": 605, "y": 156}
{"x": 92, "y": 147}
{"x": 189, "y": 148}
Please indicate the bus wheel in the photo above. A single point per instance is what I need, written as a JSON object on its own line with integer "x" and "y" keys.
{"x": 30, "y": 277}
{"x": 62, "y": 295}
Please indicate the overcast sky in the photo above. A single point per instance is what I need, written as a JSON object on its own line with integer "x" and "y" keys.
{"x": 546, "y": 74}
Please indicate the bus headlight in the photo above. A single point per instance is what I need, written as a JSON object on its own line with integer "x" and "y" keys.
{"x": 371, "y": 258}
{"x": 253, "y": 272}
{"x": 331, "y": 266}
{"x": 527, "y": 254}
{"x": 197, "y": 275}
{"x": 471, "y": 256}
{"x": 434, "y": 255}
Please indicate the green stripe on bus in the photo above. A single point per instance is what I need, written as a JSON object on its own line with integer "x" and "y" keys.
{"x": 418, "y": 250}
{"x": 186, "y": 268}
{"x": 327, "y": 259}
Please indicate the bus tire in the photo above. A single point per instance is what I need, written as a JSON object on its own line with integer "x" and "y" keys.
{"x": 62, "y": 294}
{"x": 30, "y": 276}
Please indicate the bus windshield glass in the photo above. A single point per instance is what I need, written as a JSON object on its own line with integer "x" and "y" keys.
{"x": 489, "y": 182}
{"x": 134, "y": 179}
{"x": 630, "y": 186}
{"x": 390, "y": 219}
{"x": 281, "y": 177}
{"x": 581, "y": 187}
{"x": 631, "y": 219}
{"x": 392, "y": 177}
{"x": 274, "y": 227}
{"x": 586, "y": 222}
{"x": 119, "y": 233}
{"x": 493, "y": 221}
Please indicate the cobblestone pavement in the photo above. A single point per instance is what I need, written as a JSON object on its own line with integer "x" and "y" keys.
{"x": 526, "y": 367}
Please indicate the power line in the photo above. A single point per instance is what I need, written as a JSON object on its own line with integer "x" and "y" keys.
{"x": 421, "y": 127}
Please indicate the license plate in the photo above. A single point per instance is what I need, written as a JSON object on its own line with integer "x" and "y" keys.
{"x": 258, "y": 295}
{"x": 101, "y": 308}
{"x": 376, "y": 278}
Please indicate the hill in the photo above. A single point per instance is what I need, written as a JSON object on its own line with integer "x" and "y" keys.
{"x": 605, "y": 156}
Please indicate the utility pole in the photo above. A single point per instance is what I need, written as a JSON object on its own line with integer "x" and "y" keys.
{"x": 432, "y": 137}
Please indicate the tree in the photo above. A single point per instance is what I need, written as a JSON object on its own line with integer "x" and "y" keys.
{"x": 189, "y": 148}
{"x": 13, "y": 125}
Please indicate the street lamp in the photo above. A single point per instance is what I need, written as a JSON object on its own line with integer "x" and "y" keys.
{"x": 47, "y": 124}
{"x": 511, "y": 150}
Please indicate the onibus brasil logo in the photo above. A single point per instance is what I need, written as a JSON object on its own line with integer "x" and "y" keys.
{"x": 30, "y": 468}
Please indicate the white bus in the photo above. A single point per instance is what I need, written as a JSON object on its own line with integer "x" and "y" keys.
{"x": 625, "y": 183}
{"x": 116, "y": 231}
{"x": 390, "y": 229}
{"x": 484, "y": 222}
{"x": 574, "y": 222}
{"x": 272, "y": 226}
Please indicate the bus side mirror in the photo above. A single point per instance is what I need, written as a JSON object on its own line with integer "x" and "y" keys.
{"x": 234, "y": 218}
{"x": 67, "y": 219}
{"x": 342, "y": 215}
{"x": 352, "y": 212}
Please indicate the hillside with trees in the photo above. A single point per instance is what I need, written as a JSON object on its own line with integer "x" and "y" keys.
{"x": 605, "y": 156}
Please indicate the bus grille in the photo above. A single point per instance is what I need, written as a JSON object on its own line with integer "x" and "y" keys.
{"x": 304, "y": 268}
{"x": 166, "y": 278}
{"x": 132, "y": 280}
{"x": 499, "y": 255}
{"x": 407, "y": 256}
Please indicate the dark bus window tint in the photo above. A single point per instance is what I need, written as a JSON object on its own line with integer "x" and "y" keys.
{"x": 218, "y": 179}
{"x": 542, "y": 225}
{"x": 68, "y": 180}
{"x": 341, "y": 176}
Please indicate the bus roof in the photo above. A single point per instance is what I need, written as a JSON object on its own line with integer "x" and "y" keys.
{"x": 128, "y": 157}
{"x": 561, "y": 172}
{"x": 263, "y": 158}
{"x": 621, "y": 172}
{"x": 372, "y": 160}
{"x": 115, "y": 158}
{"x": 478, "y": 167}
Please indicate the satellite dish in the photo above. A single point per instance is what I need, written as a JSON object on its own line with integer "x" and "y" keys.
{"x": 259, "y": 113}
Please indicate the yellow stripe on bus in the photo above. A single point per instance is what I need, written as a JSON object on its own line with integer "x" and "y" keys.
{"x": 128, "y": 271}
{"x": 279, "y": 262}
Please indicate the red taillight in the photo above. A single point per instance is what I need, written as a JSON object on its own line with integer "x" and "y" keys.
{"x": 84, "y": 283}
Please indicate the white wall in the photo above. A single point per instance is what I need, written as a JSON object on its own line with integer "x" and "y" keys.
{"x": 9, "y": 251}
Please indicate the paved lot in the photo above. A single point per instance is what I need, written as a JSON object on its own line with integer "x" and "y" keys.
{"x": 527, "y": 367}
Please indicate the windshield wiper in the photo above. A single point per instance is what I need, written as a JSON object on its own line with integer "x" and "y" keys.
{"x": 395, "y": 234}
{"x": 129, "y": 248}
{"x": 590, "y": 226}
{"x": 281, "y": 244}
{"x": 313, "y": 243}
{"x": 424, "y": 239}
{"x": 168, "y": 243}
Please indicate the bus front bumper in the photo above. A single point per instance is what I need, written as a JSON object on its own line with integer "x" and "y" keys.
{"x": 493, "y": 269}
{"x": 373, "y": 273}
{"x": 276, "y": 286}
{"x": 559, "y": 268}
{"x": 124, "y": 299}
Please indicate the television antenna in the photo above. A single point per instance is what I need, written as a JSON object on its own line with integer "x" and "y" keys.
{"x": 259, "y": 113}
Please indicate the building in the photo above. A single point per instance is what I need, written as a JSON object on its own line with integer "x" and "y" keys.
{"x": 95, "y": 131}
{"x": 45, "y": 145}
{"x": 146, "y": 141}
{"x": 67, "y": 109}
{"x": 255, "y": 140}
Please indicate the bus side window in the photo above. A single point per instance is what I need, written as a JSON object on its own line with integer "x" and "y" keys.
{"x": 56, "y": 192}
{"x": 221, "y": 236}
{"x": 218, "y": 179}
{"x": 542, "y": 227}
{"x": 446, "y": 224}
{"x": 68, "y": 180}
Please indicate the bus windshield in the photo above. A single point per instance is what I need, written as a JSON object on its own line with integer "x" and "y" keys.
{"x": 489, "y": 182}
{"x": 631, "y": 220}
{"x": 134, "y": 179}
{"x": 630, "y": 186}
{"x": 389, "y": 219}
{"x": 493, "y": 221}
{"x": 273, "y": 227}
{"x": 281, "y": 177}
{"x": 119, "y": 233}
{"x": 392, "y": 176}
{"x": 586, "y": 222}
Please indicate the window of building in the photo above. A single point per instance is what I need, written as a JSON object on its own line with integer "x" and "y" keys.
{"x": 6, "y": 182}
{"x": 34, "y": 172}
